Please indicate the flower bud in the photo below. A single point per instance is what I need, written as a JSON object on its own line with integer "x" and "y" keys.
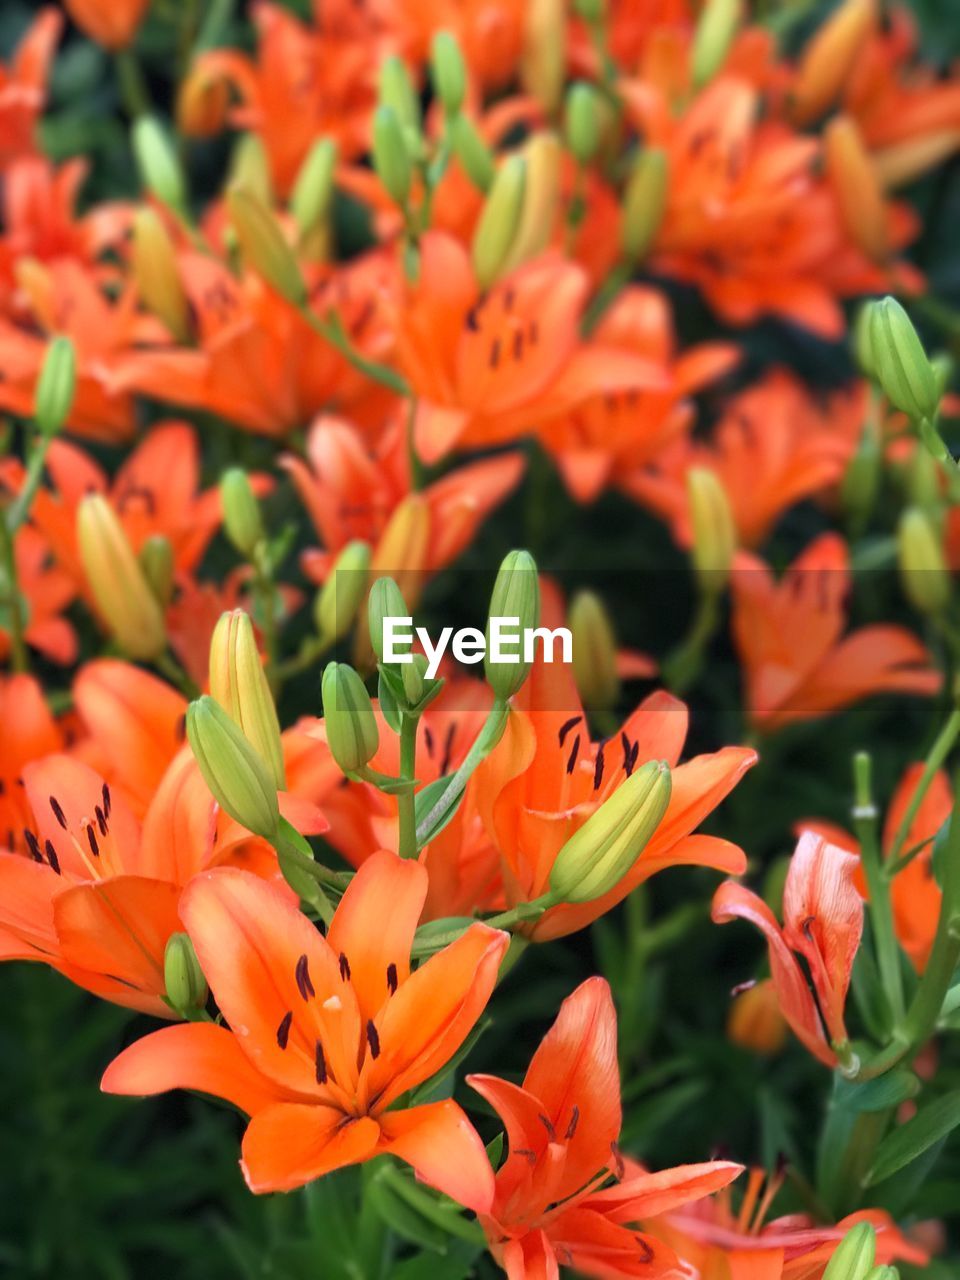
{"x": 157, "y": 274}
{"x": 543, "y": 62}
{"x": 338, "y": 600}
{"x": 923, "y": 569}
{"x": 829, "y": 58}
{"x": 158, "y": 164}
{"x": 582, "y": 122}
{"x": 183, "y": 979}
{"x": 755, "y": 1021}
{"x": 715, "y": 32}
{"x": 56, "y": 386}
{"x": 250, "y": 169}
{"x": 119, "y": 587}
{"x": 203, "y": 101}
{"x": 862, "y": 346}
{"x": 902, "y": 368}
{"x": 542, "y": 155}
{"x": 404, "y": 546}
{"x": 390, "y": 158}
{"x": 239, "y": 683}
{"x": 385, "y": 601}
{"x": 264, "y": 245}
{"x": 351, "y": 726}
{"x": 855, "y": 184}
{"x": 156, "y": 561}
{"x": 861, "y": 479}
{"x": 397, "y": 92}
{"x": 413, "y": 675}
{"x": 884, "y": 1272}
{"x": 599, "y": 855}
{"x": 594, "y": 652}
{"x": 448, "y": 72}
{"x": 644, "y": 203}
{"x": 516, "y": 594}
{"x": 241, "y": 511}
{"x": 499, "y": 221}
{"x": 472, "y": 152}
{"x": 905, "y": 162}
{"x": 238, "y": 778}
{"x": 313, "y": 189}
{"x": 854, "y": 1256}
{"x": 713, "y": 529}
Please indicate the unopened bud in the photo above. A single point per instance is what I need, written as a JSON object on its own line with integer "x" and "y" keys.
{"x": 542, "y": 156}
{"x": 856, "y": 186}
{"x": 56, "y": 386}
{"x": 902, "y": 368}
{"x": 499, "y": 220}
{"x": 644, "y": 203}
{"x": 854, "y": 1256}
{"x": 884, "y": 1272}
{"x": 473, "y": 153}
{"x": 241, "y": 511}
{"x": 183, "y": 979}
{"x": 924, "y": 482}
{"x": 239, "y": 683}
{"x": 264, "y": 245}
{"x": 351, "y": 726}
{"x": 338, "y": 600}
{"x": 313, "y": 189}
{"x": 862, "y": 346}
{"x": 594, "y": 652}
{"x": 157, "y": 274}
{"x": 390, "y": 158}
{"x": 829, "y": 58}
{"x": 715, "y": 32}
{"x": 385, "y": 601}
{"x": 597, "y": 857}
{"x": 413, "y": 674}
{"x": 156, "y": 561}
{"x": 119, "y": 587}
{"x": 250, "y": 169}
{"x": 238, "y": 778}
{"x": 202, "y": 102}
{"x": 516, "y": 598}
{"x": 158, "y": 164}
{"x": 543, "y": 62}
{"x": 861, "y": 479}
{"x": 904, "y": 162}
{"x": 582, "y": 122}
{"x": 923, "y": 569}
{"x": 404, "y": 546}
{"x": 755, "y": 1021}
{"x": 448, "y": 72}
{"x": 713, "y": 529}
{"x": 397, "y": 92}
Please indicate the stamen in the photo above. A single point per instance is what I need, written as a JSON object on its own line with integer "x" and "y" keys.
{"x": 447, "y": 749}
{"x": 321, "y": 1064}
{"x": 598, "y": 768}
{"x": 33, "y": 844}
{"x": 495, "y": 353}
{"x": 101, "y": 820}
{"x": 58, "y": 813}
{"x": 304, "y": 981}
{"x": 283, "y": 1031}
{"x": 52, "y": 858}
{"x": 373, "y": 1040}
{"x": 572, "y": 1126}
{"x": 527, "y": 1154}
{"x": 646, "y": 1253}
{"x": 107, "y": 801}
{"x": 428, "y": 740}
{"x": 548, "y": 1125}
{"x": 392, "y": 980}
{"x": 566, "y": 727}
{"x": 573, "y": 754}
{"x": 92, "y": 840}
{"x": 344, "y": 967}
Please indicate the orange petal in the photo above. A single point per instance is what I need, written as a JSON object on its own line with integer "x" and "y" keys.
{"x": 290, "y": 1144}
{"x": 445, "y": 1150}
{"x": 650, "y": 1194}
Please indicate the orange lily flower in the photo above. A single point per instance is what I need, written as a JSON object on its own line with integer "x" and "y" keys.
{"x": 789, "y": 634}
{"x": 328, "y": 1031}
{"x": 823, "y": 923}
{"x": 773, "y": 447}
{"x": 23, "y": 85}
{"x": 552, "y": 1206}
{"x": 112, "y": 23}
{"x": 547, "y": 777}
{"x": 489, "y": 367}
{"x": 31, "y": 732}
{"x": 612, "y": 434}
{"x": 490, "y": 34}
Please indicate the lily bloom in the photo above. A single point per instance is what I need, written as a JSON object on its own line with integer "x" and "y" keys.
{"x": 490, "y": 34}
{"x": 112, "y": 23}
{"x": 328, "y": 1032}
{"x": 547, "y": 776}
{"x": 488, "y": 367}
{"x": 823, "y": 924}
{"x": 796, "y": 660}
{"x": 23, "y": 85}
{"x": 563, "y": 1196}
{"x": 30, "y": 732}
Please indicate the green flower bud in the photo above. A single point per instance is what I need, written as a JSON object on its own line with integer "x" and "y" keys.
{"x": 516, "y": 594}
{"x": 413, "y": 674}
{"x": 473, "y": 153}
{"x": 117, "y": 581}
{"x": 183, "y": 979}
{"x": 236, "y": 775}
{"x": 854, "y": 1256}
{"x": 239, "y": 683}
{"x": 157, "y": 275}
{"x": 385, "y": 601}
{"x": 594, "y": 652}
{"x": 861, "y": 480}
{"x": 923, "y": 569}
{"x": 644, "y": 203}
{"x": 498, "y": 222}
{"x": 352, "y": 733}
{"x": 397, "y": 92}
{"x": 156, "y": 561}
{"x": 861, "y": 343}
{"x": 390, "y": 158}
{"x": 313, "y": 189}
{"x": 159, "y": 167}
{"x": 714, "y": 532}
{"x": 716, "y": 28}
{"x": 250, "y": 169}
{"x": 900, "y": 362}
{"x": 590, "y": 10}
{"x": 264, "y": 245}
{"x": 883, "y": 1272}
{"x": 582, "y": 121}
{"x": 543, "y": 60}
{"x": 241, "y": 511}
{"x": 56, "y": 386}
{"x": 448, "y": 72}
{"x": 597, "y": 857}
{"x": 338, "y": 600}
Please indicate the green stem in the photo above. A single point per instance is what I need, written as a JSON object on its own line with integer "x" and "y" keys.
{"x": 483, "y": 744}
{"x": 406, "y": 800}
{"x": 133, "y": 87}
{"x": 168, "y": 666}
{"x": 19, "y": 510}
{"x": 935, "y": 758}
{"x": 11, "y": 597}
{"x": 333, "y": 331}
{"x": 681, "y": 668}
{"x": 617, "y": 280}
{"x": 878, "y": 887}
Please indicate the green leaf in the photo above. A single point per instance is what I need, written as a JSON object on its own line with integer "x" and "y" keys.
{"x": 912, "y": 1139}
{"x": 388, "y": 702}
{"x": 425, "y": 801}
{"x": 495, "y": 1151}
{"x": 881, "y": 1094}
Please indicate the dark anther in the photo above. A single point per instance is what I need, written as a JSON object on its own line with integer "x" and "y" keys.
{"x": 58, "y": 813}
{"x": 646, "y": 1253}
{"x": 373, "y": 1040}
{"x": 33, "y": 844}
{"x": 180, "y": 732}
{"x": 283, "y": 1031}
{"x": 428, "y": 740}
{"x": 107, "y": 801}
{"x": 344, "y": 967}
{"x": 572, "y": 1126}
{"x": 473, "y": 322}
{"x": 321, "y": 1064}
{"x": 495, "y": 353}
{"x": 304, "y": 981}
{"x": 447, "y": 749}
{"x": 567, "y": 726}
{"x": 548, "y": 1125}
{"x": 92, "y": 841}
{"x": 527, "y": 1154}
{"x": 598, "y": 769}
{"x": 392, "y": 980}
{"x": 101, "y": 820}
{"x": 572, "y": 759}
{"x": 518, "y": 344}
{"x": 51, "y": 853}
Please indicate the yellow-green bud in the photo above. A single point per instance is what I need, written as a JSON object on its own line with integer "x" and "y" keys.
{"x": 644, "y": 203}
{"x": 924, "y": 481}
{"x": 385, "y": 601}
{"x": 923, "y": 569}
{"x": 239, "y": 683}
{"x": 541, "y": 195}
{"x": 582, "y": 121}
{"x": 351, "y": 726}
{"x": 413, "y": 675}
{"x": 397, "y": 92}
{"x": 900, "y": 362}
{"x": 159, "y": 167}
{"x": 854, "y": 1256}
{"x": 157, "y": 275}
{"x": 472, "y": 152}
{"x": 861, "y": 342}
{"x": 448, "y": 72}
{"x": 250, "y": 169}
{"x": 238, "y": 778}
{"x": 56, "y": 386}
{"x": 156, "y": 561}
{"x": 713, "y": 529}
{"x": 716, "y": 28}
{"x": 264, "y": 245}
{"x": 119, "y": 587}
{"x": 597, "y": 857}
{"x": 390, "y": 158}
{"x": 861, "y": 480}
{"x": 499, "y": 220}
{"x": 594, "y": 652}
{"x": 313, "y": 189}
{"x": 183, "y": 979}
{"x": 241, "y": 511}
{"x": 338, "y": 600}
{"x": 883, "y": 1272}
{"x": 543, "y": 62}
{"x": 516, "y": 594}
